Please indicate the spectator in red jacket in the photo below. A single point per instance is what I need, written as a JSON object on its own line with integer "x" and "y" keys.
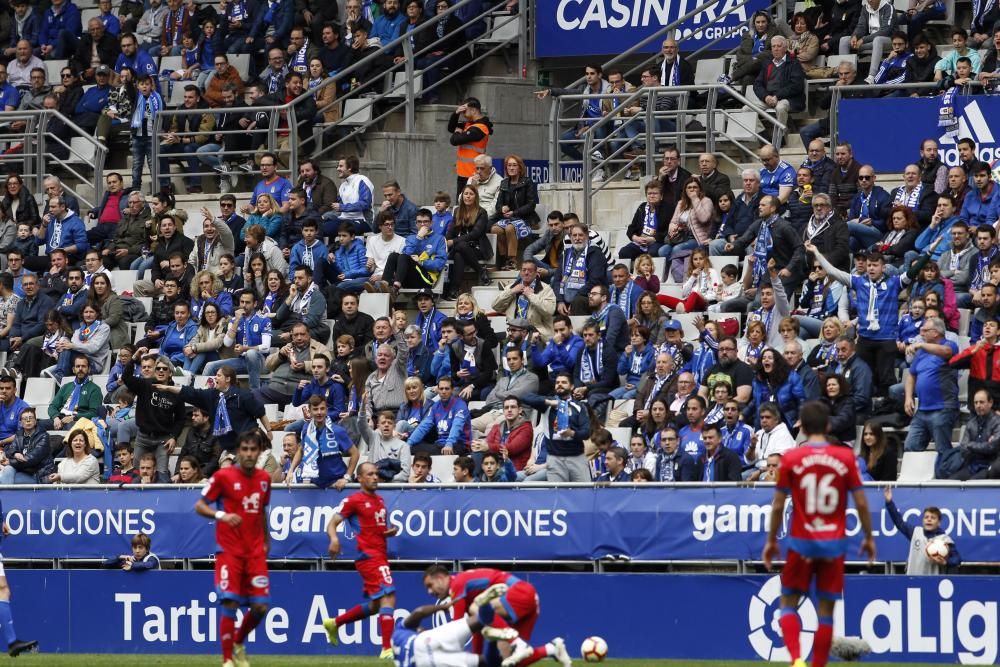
{"x": 983, "y": 362}
{"x": 513, "y": 433}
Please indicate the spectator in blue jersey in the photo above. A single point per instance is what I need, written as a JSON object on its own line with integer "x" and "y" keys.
{"x": 95, "y": 98}
{"x": 325, "y": 445}
{"x": 421, "y": 261}
{"x": 560, "y": 353}
{"x": 694, "y": 408}
{"x": 60, "y": 29}
{"x": 10, "y": 98}
{"x": 673, "y": 464}
{"x": 931, "y": 390}
{"x": 270, "y": 183}
{"x": 141, "y": 559}
{"x": 892, "y": 69}
{"x": 649, "y": 224}
{"x": 878, "y": 310}
{"x": 582, "y": 267}
{"x": 429, "y": 319}
{"x": 323, "y": 385}
{"x": 447, "y": 427}
{"x": 11, "y": 408}
{"x": 718, "y": 463}
{"x": 137, "y": 60}
{"x": 609, "y": 318}
{"x": 982, "y": 203}
{"x": 777, "y": 177}
{"x": 249, "y": 337}
{"x": 936, "y": 237}
{"x": 595, "y": 372}
{"x": 637, "y": 360}
{"x": 736, "y": 435}
{"x": 869, "y": 210}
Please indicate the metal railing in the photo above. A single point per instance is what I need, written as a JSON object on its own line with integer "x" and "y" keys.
{"x": 364, "y": 104}
{"x": 34, "y": 151}
{"x": 874, "y": 90}
{"x": 606, "y": 142}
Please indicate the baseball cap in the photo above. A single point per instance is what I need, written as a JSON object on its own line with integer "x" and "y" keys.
{"x": 519, "y": 323}
{"x": 102, "y": 69}
{"x": 425, "y": 292}
{"x": 673, "y": 325}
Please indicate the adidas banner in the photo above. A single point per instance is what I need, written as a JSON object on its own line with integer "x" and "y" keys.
{"x": 903, "y": 619}
{"x": 890, "y": 146}
{"x": 493, "y": 524}
{"x": 603, "y": 27}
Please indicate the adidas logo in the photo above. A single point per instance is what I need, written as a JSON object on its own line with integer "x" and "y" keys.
{"x": 971, "y": 123}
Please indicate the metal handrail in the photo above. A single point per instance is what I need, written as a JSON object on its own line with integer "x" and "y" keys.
{"x": 680, "y": 113}
{"x": 39, "y": 160}
{"x": 837, "y": 94}
{"x": 407, "y": 87}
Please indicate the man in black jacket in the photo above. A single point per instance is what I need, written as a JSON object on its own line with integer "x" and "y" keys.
{"x": 159, "y": 415}
{"x": 353, "y": 323}
{"x": 649, "y": 224}
{"x": 779, "y": 241}
{"x": 107, "y": 46}
{"x": 718, "y": 463}
{"x": 672, "y": 178}
{"x": 781, "y": 84}
{"x": 169, "y": 241}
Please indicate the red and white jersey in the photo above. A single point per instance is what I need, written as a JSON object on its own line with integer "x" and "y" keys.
{"x": 367, "y": 514}
{"x": 246, "y": 496}
{"x": 818, "y": 477}
{"x": 465, "y": 586}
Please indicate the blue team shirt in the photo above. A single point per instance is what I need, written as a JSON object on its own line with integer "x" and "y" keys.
{"x": 278, "y": 188}
{"x": 140, "y": 63}
{"x": 737, "y": 439}
{"x": 771, "y": 181}
{"x": 937, "y": 381}
{"x": 251, "y": 331}
{"x": 402, "y": 645}
{"x": 691, "y": 443}
{"x": 9, "y": 97}
{"x": 887, "y": 305}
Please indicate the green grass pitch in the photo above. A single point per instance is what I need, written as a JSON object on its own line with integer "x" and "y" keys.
{"x": 79, "y": 660}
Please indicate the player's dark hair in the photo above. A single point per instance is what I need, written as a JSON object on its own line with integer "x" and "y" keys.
{"x": 436, "y": 569}
{"x": 815, "y": 418}
{"x": 253, "y": 436}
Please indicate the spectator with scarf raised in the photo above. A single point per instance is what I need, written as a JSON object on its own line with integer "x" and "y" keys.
{"x": 324, "y": 447}
{"x": 529, "y": 299}
{"x": 582, "y": 267}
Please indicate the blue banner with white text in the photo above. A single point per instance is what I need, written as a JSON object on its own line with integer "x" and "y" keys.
{"x": 493, "y": 524}
{"x": 603, "y": 27}
{"x": 890, "y": 146}
{"x": 904, "y": 619}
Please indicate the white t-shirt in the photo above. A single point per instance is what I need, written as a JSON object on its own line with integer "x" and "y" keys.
{"x": 379, "y": 249}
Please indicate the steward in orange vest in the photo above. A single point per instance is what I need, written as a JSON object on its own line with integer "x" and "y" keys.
{"x": 470, "y": 131}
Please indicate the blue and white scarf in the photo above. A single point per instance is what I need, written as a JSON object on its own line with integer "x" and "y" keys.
{"x": 86, "y": 332}
{"x": 909, "y": 199}
{"x": 980, "y": 10}
{"x": 948, "y": 114}
{"x": 139, "y": 115}
{"x": 221, "y": 424}
{"x": 589, "y": 365}
{"x": 761, "y": 248}
{"x": 315, "y": 447}
{"x": 623, "y": 298}
{"x": 574, "y": 269}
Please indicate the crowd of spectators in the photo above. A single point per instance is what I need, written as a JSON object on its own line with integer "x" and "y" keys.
{"x": 833, "y": 288}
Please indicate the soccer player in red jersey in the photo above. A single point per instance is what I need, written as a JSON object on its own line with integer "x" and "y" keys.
{"x": 516, "y": 608}
{"x": 818, "y": 476}
{"x": 241, "y": 533}
{"x": 366, "y": 512}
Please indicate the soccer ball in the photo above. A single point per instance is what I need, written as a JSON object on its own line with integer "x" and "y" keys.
{"x": 594, "y": 649}
{"x": 937, "y": 548}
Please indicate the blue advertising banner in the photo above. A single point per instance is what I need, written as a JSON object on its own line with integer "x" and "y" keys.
{"x": 890, "y": 146}
{"x": 597, "y": 27}
{"x": 641, "y": 523}
{"x": 538, "y": 170}
{"x": 905, "y": 619}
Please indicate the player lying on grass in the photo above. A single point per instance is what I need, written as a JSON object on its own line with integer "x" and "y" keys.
{"x": 517, "y": 608}
{"x": 444, "y": 646}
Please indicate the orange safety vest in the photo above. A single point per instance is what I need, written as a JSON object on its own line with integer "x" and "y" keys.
{"x": 467, "y": 153}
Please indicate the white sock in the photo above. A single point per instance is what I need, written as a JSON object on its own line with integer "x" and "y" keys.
{"x": 550, "y": 649}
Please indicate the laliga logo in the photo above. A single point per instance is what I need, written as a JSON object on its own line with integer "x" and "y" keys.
{"x": 765, "y": 633}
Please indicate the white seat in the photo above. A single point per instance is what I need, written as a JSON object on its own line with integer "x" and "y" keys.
{"x": 357, "y": 111}
{"x": 172, "y": 63}
{"x": 503, "y": 28}
{"x": 87, "y": 14}
{"x": 398, "y": 87}
{"x": 741, "y": 125}
{"x": 709, "y": 71}
{"x": 123, "y": 279}
{"x": 832, "y": 61}
{"x": 52, "y": 69}
{"x": 441, "y": 467}
{"x": 271, "y": 411}
{"x": 918, "y": 466}
{"x": 292, "y": 412}
{"x": 39, "y": 390}
{"x": 81, "y": 151}
{"x": 376, "y": 305}
{"x": 720, "y": 261}
{"x": 484, "y": 296}
{"x": 621, "y": 436}
{"x": 499, "y": 324}
{"x": 276, "y": 438}
{"x": 241, "y": 62}
{"x": 578, "y": 321}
